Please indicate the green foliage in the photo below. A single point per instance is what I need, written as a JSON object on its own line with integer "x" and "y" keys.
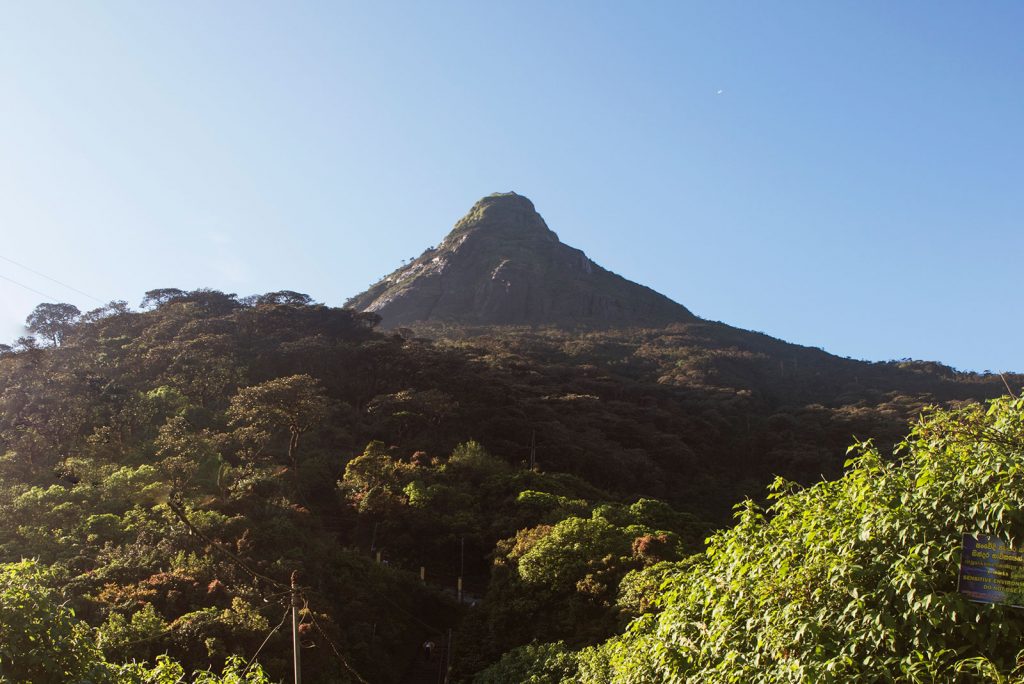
{"x": 475, "y": 463}
{"x": 574, "y": 548}
{"x": 639, "y": 591}
{"x": 167, "y": 671}
{"x": 560, "y": 580}
{"x": 133, "y": 411}
{"x": 189, "y": 459}
{"x": 531, "y": 664}
{"x": 852, "y": 580}
{"x": 118, "y": 633}
{"x": 550, "y": 507}
{"x": 40, "y": 639}
{"x": 294, "y": 404}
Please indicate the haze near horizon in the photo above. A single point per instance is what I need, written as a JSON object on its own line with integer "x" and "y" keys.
{"x": 844, "y": 176}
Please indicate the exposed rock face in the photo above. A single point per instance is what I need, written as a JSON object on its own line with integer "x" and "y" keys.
{"x": 500, "y": 265}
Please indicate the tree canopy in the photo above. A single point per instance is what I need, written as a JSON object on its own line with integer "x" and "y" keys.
{"x": 851, "y": 580}
{"x": 52, "y": 321}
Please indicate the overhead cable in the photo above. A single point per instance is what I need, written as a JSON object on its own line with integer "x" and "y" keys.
{"x": 284, "y": 618}
{"x": 334, "y": 648}
{"x": 30, "y": 289}
{"x": 179, "y": 511}
{"x": 54, "y": 280}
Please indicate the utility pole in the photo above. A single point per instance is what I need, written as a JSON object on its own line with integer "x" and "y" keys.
{"x": 448, "y": 658}
{"x": 462, "y": 564}
{"x": 295, "y": 629}
{"x": 442, "y": 674}
{"x": 533, "y": 450}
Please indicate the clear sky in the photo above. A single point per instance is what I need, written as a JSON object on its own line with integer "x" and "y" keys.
{"x": 848, "y": 175}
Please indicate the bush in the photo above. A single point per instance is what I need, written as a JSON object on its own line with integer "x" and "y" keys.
{"x": 852, "y": 580}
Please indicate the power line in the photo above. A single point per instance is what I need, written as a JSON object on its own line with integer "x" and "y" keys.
{"x": 383, "y": 597}
{"x": 267, "y": 598}
{"x": 334, "y": 648}
{"x": 30, "y": 289}
{"x": 252, "y": 660}
{"x": 179, "y": 511}
{"x": 43, "y": 275}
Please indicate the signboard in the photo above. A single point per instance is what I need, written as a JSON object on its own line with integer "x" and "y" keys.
{"x": 991, "y": 571}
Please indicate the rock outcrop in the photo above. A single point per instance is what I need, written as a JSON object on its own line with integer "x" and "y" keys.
{"x": 502, "y": 265}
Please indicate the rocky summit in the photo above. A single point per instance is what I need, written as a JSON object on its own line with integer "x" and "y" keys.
{"x": 502, "y": 265}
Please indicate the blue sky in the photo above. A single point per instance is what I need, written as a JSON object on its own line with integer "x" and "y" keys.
{"x": 846, "y": 174}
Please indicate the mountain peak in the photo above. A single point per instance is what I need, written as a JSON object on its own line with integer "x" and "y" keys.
{"x": 504, "y": 212}
{"x": 501, "y": 264}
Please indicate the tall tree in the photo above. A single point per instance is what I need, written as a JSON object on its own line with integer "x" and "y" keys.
{"x": 159, "y": 296}
{"x": 53, "y": 321}
{"x": 295, "y": 403}
{"x": 287, "y": 297}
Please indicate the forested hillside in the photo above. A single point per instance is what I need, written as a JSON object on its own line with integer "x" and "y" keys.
{"x": 169, "y": 469}
{"x": 847, "y": 581}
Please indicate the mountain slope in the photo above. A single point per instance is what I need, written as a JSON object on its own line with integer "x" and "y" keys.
{"x": 474, "y": 448}
{"x": 501, "y": 264}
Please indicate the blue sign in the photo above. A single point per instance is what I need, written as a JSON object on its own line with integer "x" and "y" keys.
{"x": 991, "y": 571}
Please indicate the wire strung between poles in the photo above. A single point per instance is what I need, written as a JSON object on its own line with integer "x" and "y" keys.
{"x": 284, "y": 618}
